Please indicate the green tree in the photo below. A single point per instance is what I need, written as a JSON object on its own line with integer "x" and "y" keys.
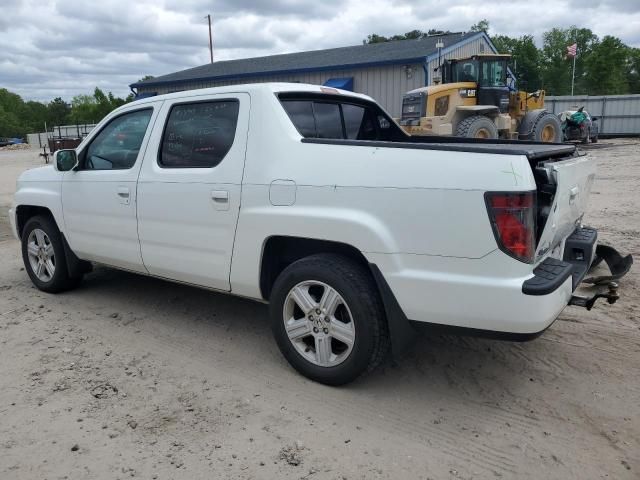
{"x": 633, "y": 70}
{"x": 481, "y": 26}
{"x": 83, "y": 109}
{"x": 525, "y": 59}
{"x": 605, "y": 68}
{"x": 11, "y": 112}
{"x": 412, "y": 35}
{"x": 557, "y": 67}
{"x": 58, "y": 112}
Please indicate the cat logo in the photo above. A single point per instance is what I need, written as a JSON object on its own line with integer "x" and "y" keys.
{"x": 468, "y": 92}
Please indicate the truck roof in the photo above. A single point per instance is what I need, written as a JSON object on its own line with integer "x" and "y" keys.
{"x": 269, "y": 88}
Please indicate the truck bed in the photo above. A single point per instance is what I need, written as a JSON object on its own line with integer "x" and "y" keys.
{"x": 532, "y": 150}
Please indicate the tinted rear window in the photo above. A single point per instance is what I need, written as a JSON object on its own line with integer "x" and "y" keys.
{"x": 328, "y": 121}
{"x": 301, "y": 114}
{"x": 331, "y": 117}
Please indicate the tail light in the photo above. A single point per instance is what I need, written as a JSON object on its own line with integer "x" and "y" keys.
{"x": 513, "y": 218}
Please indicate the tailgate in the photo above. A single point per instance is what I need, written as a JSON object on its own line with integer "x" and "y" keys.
{"x": 573, "y": 179}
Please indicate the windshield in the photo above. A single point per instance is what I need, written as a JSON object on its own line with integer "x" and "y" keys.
{"x": 493, "y": 74}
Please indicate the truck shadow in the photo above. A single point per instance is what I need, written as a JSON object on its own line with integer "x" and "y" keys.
{"x": 439, "y": 364}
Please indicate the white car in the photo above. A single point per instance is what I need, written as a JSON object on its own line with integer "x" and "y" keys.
{"x": 315, "y": 200}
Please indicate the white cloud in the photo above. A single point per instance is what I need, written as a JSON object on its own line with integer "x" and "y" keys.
{"x": 62, "y": 48}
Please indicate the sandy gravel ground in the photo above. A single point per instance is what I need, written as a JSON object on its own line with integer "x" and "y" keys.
{"x": 135, "y": 377}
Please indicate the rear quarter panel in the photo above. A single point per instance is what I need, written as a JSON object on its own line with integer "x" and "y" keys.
{"x": 379, "y": 200}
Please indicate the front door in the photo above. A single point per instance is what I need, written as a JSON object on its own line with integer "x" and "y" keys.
{"x": 99, "y": 196}
{"x": 189, "y": 189}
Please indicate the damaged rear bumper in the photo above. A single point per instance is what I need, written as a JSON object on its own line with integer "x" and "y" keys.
{"x": 581, "y": 254}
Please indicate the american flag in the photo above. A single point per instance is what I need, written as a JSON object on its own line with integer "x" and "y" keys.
{"x": 572, "y": 50}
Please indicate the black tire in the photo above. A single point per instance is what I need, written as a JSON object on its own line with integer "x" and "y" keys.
{"x": 356, "y": 286}
{"x": 60, "y": 280}
{"x": 477, "y": 126}
{"x": 544, "y": 123}
{"x": 594, "y": 139}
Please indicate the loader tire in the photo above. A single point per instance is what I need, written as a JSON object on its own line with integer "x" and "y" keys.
{"x": 547, "y": 129}
{"x": 477, "y": 126}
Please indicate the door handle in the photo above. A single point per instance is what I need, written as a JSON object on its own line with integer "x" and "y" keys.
{"x": 123, "y": 195}
{"x": 220, "y": 199}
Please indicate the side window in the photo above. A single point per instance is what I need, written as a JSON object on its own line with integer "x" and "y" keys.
{"x": 353, "y": 116}
{"x": 359, "y": 122}
{"x": 198, "y": 135}
{"x": 301, "y": 114}
{"x": 117, "y": 145}
{"x": 328, "y": 121}
{"x": 330, "y": 118}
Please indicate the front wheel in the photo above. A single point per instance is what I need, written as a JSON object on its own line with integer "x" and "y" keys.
{"x": 327, "y": 318}
{"x": 44, "y": 257}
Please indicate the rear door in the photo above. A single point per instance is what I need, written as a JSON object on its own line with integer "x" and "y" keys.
{"x": 574, "y": 178}
{"x": 189, "y": 189}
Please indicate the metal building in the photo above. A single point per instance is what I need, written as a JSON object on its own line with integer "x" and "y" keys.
{"x": 384, "y": 71}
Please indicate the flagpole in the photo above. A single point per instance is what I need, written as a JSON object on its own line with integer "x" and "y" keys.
{"x": 573, "y": 74}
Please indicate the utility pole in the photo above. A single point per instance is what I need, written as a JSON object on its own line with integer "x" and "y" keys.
{"x": 210, "y": 39}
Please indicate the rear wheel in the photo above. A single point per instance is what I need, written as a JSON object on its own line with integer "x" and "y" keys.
{"x": 477, "y": 126}
{"x": 327, "y": 318}
{"x": 547, "y": 129}
{"x": 44, "y": 257}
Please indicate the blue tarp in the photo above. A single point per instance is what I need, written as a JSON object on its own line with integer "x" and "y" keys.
{"x": 140, "y": 96}
{"x": 345, "y": 83}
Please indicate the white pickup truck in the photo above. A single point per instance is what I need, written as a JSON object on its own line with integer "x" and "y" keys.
{"x": 315, "y": 201}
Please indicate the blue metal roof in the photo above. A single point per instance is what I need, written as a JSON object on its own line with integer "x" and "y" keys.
{"x": 343, "y": 58}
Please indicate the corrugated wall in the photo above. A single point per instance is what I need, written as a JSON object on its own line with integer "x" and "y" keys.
{"x": 476, "y": 47}
{"x": 385, "y": 84}
{"x": 617, "y": 114}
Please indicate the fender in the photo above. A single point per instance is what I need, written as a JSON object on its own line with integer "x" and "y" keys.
{"x": 41, "y": 187}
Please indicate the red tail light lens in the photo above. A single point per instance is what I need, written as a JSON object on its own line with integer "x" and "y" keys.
{"x": 513, "y": 218}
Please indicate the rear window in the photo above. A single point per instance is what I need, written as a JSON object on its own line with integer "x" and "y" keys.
{"x": 332, "y": 119}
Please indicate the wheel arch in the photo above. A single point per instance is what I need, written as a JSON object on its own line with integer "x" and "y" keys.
{"x": 25, "y": 212}
{"x": 75, "y": 266}
{"x": 280, "y": 251}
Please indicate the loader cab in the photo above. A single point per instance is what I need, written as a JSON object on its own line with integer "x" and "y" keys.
{"x": 489, "y": 72}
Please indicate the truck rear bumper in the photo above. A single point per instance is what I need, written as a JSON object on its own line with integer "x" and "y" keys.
{"x": 477, "y": 294}
{"x": 459, "y": 296}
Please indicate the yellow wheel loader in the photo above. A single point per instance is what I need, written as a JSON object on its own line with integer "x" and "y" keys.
{"x": 475, "y": 101}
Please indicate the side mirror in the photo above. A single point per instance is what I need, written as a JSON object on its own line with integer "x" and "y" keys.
{"x": 65, "y": 160}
